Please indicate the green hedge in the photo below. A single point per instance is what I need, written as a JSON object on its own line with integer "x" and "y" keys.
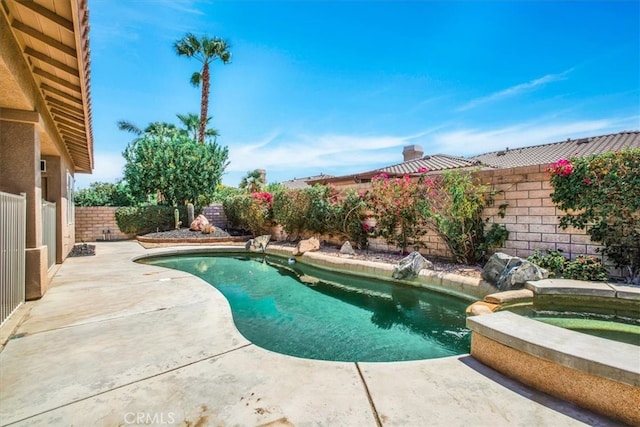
{"x": 147, "y": 219}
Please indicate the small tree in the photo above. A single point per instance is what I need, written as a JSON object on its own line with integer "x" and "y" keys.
{"x": 179, "y": 169}
{"x": 253, "y": 181}
{"x": 601, "y": 194}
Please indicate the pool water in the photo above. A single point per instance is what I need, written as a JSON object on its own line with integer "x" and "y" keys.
{"x": 312, "y": 313}
{"x": 611, "y": 327}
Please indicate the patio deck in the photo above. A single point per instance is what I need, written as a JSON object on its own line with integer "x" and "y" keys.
{"x": 118, "y": 343}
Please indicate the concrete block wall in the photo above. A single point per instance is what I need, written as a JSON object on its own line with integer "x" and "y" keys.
{"x": 530, "y": 216}
{"x": 92, "y": 224}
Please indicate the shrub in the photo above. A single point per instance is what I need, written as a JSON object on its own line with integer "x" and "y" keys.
{"x": 146, "y": 219}
{"x": 251, "y": 212}
{"x": 106, "y": 194}
{"x": 454, "y": 212}
{"x": 290, "y": 208}
{"x": 582, "y": 268}
{"x": 553, "y": 261}
{"x": 586, "y": 268}
{"x": 601, "y": 194}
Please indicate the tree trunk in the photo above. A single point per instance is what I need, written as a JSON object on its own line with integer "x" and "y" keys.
{"x": 204, "y": 106}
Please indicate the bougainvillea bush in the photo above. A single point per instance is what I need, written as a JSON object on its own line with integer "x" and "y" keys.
{"x": 601, "y": 194}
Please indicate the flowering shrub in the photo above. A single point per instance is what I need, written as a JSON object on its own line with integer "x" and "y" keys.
{"x": 399, "y": 205}
{"x": 562, "y": 167}
{"x": 601, "y": 194}
{"x": 253, "y": 212}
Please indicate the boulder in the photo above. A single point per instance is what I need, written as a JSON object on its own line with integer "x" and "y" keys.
{"x": 508, "y": 272}
{"x": 347, "y": 249}
{"x": 311, "y": 244}
{"x": 495, "y": 266}
{"x": 410, "y": 266}
{"x": 199, "y": 223}
{"x": 515, "y": 277}
{"x": 260, "y": 243}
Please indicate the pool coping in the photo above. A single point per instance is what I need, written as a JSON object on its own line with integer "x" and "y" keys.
{"x": 105, "y": 297}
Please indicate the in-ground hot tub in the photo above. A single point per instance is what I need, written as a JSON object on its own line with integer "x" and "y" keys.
{"x": 594, "y": 372}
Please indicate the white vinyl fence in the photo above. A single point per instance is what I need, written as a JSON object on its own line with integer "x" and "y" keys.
{"x": 13, "y": 222}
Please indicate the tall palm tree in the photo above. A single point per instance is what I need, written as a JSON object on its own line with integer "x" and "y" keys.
{"x": 205, "y": 50}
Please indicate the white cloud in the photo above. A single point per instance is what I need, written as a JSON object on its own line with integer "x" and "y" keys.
{"x": 107, "y": 168}
{"x": 514, "y": 90}
{"x": 466, "y": 142}
{"x": 279, "y": 151}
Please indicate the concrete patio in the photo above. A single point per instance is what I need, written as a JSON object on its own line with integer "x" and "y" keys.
{"x": 118, "y": 343}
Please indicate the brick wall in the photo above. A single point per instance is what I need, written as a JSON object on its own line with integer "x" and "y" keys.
{"x": 98, "y": 223}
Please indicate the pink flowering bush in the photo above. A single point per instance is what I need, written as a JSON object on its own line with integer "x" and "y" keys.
{"x": 601, "y": 194}
{"x": 562, "y": 167}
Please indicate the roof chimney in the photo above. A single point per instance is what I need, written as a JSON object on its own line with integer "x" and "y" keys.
{"x": 412, "y": 152}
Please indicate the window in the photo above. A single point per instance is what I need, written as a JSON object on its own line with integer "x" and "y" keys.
{"x": 70, "y": 203}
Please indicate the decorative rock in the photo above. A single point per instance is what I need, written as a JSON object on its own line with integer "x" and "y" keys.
{"x": 481, "y": 307}
{"x": 495, "y": 266}
{"x": 258, "y": 244}
{"x": 311, "y": 244}
{"x": 516, "y": 276}
{"x": 507, "y": 272}
{"x": 199, "y": 223}
{"x": 208, "y": 229}
{"x": 410, "y": 266}
{"x": 347, "y": 249}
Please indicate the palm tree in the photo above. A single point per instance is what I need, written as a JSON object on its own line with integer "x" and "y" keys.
{"x": 205, "y": 50}
{"x": 191, "y": 122}
{"x": 154, "y": 128}
{"x": 253, "y": 181}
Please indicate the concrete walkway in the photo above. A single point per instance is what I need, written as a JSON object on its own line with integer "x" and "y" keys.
{"x": 118, "y": 343}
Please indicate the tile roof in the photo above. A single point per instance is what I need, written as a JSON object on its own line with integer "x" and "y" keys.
{"x": 549, "y": 153}
{"x": 298, "y": 183}
{"x": 436, "y": 162}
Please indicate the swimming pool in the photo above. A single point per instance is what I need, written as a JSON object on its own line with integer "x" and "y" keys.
{"x": 308, "y": 312}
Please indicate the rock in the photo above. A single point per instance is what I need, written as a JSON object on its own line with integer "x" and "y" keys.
{"x": 260, "y": 243}
{"x": 208, "y": 229}
{"x": 311, "y": 244}
{"x": 508, "y": 272}
{"x": 514, "y": 277}
{"x": 495, "y": 266}
{"x": 347, "y": 249}
{"x": 410, "y": 266}
{"x": 199, "y": 223}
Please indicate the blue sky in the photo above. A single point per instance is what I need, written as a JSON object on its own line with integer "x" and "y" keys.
{"x": 340, "y": 87}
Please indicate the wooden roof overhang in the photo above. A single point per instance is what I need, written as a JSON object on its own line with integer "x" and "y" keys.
{"x": 52, "y": 37}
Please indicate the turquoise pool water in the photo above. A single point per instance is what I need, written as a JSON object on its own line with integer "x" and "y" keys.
{"x": 312, "y": 313}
